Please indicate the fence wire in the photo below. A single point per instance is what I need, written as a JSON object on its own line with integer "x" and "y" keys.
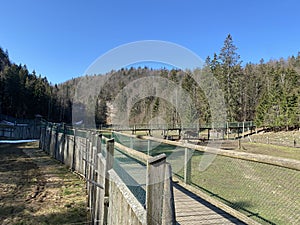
{"x": 266, "y": 193}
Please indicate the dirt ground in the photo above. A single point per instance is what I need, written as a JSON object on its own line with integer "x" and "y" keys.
{"x": 35, "y": 189}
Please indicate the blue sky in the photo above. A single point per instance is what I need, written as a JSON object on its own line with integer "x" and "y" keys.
{"x": 60, "y": 39}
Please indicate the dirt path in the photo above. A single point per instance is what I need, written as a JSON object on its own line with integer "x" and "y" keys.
{"x": 35, "y": 189}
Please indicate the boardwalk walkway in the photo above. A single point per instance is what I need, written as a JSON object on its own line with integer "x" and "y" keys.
{"x": 191, "y": 209}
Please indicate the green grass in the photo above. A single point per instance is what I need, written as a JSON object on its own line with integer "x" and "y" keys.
{"x": 272, "y": 150}
{"x": 282, "y": 138}
{"x": 269, "y": 194}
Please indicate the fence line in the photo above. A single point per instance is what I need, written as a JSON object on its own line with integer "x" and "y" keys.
{"x": 261, "y": 187}
{"x": 293, "y": 142}
{"x": 277, "y": 161}
{"x": 20, "y": 131}
{"x": 110, "y": 199}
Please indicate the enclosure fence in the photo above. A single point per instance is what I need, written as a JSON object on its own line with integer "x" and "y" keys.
{"x": 264, "y": 188}
{"x": 123, "y": 185}
{"x": 20, "y": 131}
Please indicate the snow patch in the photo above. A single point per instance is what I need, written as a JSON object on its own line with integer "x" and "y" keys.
{"x": 16, "y": 141}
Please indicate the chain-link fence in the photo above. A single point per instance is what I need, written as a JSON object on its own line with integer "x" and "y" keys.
{"x": 263, "y": 190}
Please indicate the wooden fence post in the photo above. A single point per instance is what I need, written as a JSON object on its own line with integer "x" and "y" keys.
{"x": 72, "y": 166}
{"x": 187, "y": 165}
{"x": 109, "y": 165}
{"x": 155, "y": 189}
{"x": 149, "y": 147}
{"x": 169, "y": 216}
{"x": 97, "y": 215}
{"x": 131, "y": 142}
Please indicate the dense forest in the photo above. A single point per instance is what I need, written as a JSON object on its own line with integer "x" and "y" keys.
{"x": 25, "y": 94}
{"x": 267, "y": 92}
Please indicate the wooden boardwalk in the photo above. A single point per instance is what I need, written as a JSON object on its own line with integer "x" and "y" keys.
{"x": 191, "y": 209}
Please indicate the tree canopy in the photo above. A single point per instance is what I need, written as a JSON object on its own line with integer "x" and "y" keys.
{"x": 266, "y": 92}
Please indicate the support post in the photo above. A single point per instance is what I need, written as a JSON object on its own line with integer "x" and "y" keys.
{"x": 187, "y": 165}
{"x": 109, "y": 165}
{"x": 155, "y": 189}
{"x": 131, "y": 142}
{"x": 169, "y": 216}
{"x": 149, "y": 147}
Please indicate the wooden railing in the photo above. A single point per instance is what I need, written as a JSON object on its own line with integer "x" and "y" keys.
{"x": 110, "y": 201}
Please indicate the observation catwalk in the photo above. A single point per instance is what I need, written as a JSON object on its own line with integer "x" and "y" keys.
{"x": 191, "y": 209}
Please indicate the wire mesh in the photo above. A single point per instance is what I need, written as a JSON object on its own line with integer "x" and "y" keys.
{"x": 132, "y": 173}
{"x": 269, "y": 194}
{"x": 266, "y": 193}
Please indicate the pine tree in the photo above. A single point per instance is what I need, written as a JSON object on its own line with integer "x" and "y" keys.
{"x": 230, "y": 70}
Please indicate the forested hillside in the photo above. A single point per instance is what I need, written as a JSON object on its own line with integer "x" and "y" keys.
{"x": 267, "y": 92}
{"x": 25, "y": 94}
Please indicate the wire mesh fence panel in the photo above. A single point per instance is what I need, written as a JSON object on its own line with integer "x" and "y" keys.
{"x": 266, "y": 193}
{"x": 132, "y": 173}
{"x": 175, "y": 156}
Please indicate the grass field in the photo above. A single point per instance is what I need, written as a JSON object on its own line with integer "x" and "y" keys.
{"x": 282, "y": 138}
{"x": 36, "y": 189}
{"x": 269, "y": 194}
{"x": 269, "y": 149}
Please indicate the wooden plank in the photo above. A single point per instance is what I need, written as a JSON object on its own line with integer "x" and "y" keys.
{"x": 217, "y": 207}
{"x": 272, "y": 160}
{"x": 133, "y": 153}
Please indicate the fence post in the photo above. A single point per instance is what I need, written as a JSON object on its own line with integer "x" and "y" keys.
{"x": 155, "y": 189}
{"x": 56, "y": 147}
{"x": 149, "y": 147}
{"x": 131, "y": 142}
{"x": 169, "y": 216}
{"x": 73, "y": 150}
{"x": 49, "y": 139}
{"x": 109, "y": 165}
{"x": 187, "y": 165}
{"x": 97, "y": 215}
{"x": 99, "y": 143}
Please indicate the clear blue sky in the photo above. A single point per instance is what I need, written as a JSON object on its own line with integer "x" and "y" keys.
{"x": 61, "y": 38}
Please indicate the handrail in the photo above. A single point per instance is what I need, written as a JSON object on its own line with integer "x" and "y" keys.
{"x": 272, "y": 160}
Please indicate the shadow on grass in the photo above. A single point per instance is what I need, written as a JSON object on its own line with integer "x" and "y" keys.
{"x": 19, "y": 214}
{"x": 76, "y": 215}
